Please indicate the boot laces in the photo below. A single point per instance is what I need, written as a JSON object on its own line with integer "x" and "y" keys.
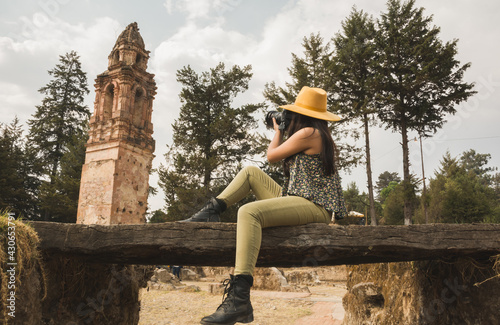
{"x": 228, "y": 294}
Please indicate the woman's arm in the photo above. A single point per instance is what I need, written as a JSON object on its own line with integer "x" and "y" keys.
{"x": 305, "y": 140}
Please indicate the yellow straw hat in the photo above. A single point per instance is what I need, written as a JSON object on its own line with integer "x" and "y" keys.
{"x": 312, "y": 102}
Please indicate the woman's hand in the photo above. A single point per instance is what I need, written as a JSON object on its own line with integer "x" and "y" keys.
{"x": 277, "y": 139}
{"x": 276, "y": 126}
{"x": 306, "y": 140}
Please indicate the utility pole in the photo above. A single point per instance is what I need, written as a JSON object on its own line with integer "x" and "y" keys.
{"x": 424, "y": 193}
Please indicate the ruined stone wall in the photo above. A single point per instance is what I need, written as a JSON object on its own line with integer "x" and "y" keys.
{"x": 115, "y": 187}
{"x": 427, "y": 293}
{"x": 96, "y": 189}
{"x": 131, "y": 189}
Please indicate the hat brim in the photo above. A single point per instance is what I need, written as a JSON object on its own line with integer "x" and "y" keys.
{"x": 311, "y": 113}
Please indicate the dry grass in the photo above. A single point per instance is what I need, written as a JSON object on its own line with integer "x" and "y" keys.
{"x": 496, "y": 269}
{"x": 26, "y": 256}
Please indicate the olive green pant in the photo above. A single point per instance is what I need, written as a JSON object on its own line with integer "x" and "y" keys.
{"x": 270, "y": 210}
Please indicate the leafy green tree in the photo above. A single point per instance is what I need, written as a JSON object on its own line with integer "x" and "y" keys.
{"x": 393, "y": 200}
{"x": 358, "y": 202}
{"x": 353, "y": 61}
{"x": 211, "y": 138}
{"x": 394, "y": 205}
{"x": 61, "y": 116}
{"x": 495, "y": 184}
{"x": 418, "y": 76}
{"x": 316, "y": 69}
{"x": 386, "y": 191}
{"x": 385, "y": 180}
{"x": 459, "y": 195}
{"x": 17, "y": 185}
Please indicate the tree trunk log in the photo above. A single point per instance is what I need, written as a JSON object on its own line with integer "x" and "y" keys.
{"x": 213, "y": 244}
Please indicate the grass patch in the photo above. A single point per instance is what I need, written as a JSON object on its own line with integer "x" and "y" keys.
{"x": 19, "y": 252}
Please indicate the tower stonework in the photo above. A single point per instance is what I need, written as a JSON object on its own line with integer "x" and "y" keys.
{"x": 114, "y": 184}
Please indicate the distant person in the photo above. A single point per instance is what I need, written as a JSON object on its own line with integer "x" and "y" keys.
{"x": 312, "y": 193}
{"x": 176, "y": 270}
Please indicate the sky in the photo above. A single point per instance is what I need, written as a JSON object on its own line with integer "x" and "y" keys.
{"x": 262, "y": 33}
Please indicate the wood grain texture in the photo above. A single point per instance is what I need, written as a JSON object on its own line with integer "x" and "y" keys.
{"x": 213, "y": 244}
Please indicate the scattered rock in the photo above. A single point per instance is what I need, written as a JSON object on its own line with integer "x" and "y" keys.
{"x": 303, "y": 277}
{"x": 191, "y": 288}
{"x": 163, "y": 275}
{"x": 189, "y": 275}
{"x": 216, "y": 288}
{"x": 219, "y": 273}
{"x": 163, "y": 280}
{"x": 268, "y": 279}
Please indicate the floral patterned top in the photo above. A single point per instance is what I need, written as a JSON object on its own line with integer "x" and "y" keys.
{"x": 307, "y": 180}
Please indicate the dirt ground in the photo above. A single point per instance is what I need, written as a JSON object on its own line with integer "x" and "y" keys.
{"x": 322, "y": 306}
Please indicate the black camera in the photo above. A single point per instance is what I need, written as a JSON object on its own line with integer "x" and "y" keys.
{"x": 283, "y": 119}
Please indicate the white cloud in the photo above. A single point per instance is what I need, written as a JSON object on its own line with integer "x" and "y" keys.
{"x": 55, "y": 37}
{"x": 25, "y": 60}
{"x": 13, "y": 100}
{"x": 195, "y": 8}
{"x": 200, "y": 47}
{"x": 201, "y": 9}
{"x": 168, "y": 4}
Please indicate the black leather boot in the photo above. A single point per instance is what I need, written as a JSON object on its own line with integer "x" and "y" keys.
{"x": 236, "y": 307}
{"x": 210, "y": 212}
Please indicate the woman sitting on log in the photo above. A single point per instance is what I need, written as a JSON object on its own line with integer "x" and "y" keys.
{"x": 312, "y": 193}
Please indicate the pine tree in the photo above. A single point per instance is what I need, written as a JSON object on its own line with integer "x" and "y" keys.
{"x": 354, "y": 200}
{"x": 353, "y": 62}
{"x": 62, "y": 113}
{"x": 316, "y": 70}
{"x": 158, "y": 216}
{"x": 211, "y": 137}
{"x": 17, "y": 185}
{"x": 476, "y": 163}
{"x": 312, "y": 71}
{"x": 61, "y": 198}
{"x": 459, "y": 195}
{"x": 419, "y": 78}
{"x": 61, "y": 116}
{"x": 393, "y": 197}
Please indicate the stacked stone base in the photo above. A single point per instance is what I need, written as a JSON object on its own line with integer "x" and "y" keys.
{"x": 82, "y": 293}
{"x": 427, "y": 292}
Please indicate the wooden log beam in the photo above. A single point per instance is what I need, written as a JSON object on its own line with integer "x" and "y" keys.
{"x": 213, "y": 244}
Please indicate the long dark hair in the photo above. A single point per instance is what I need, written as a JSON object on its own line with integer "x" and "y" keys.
{"x": 329, "y": 149}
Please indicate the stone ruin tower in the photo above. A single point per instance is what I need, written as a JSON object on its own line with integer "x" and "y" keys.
{"x": 114, "y": 184}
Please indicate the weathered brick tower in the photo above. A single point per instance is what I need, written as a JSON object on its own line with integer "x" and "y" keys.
{"x": 114, "y": 185}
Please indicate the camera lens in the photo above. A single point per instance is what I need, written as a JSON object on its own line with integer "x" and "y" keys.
{"x": 269, "y": 118}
